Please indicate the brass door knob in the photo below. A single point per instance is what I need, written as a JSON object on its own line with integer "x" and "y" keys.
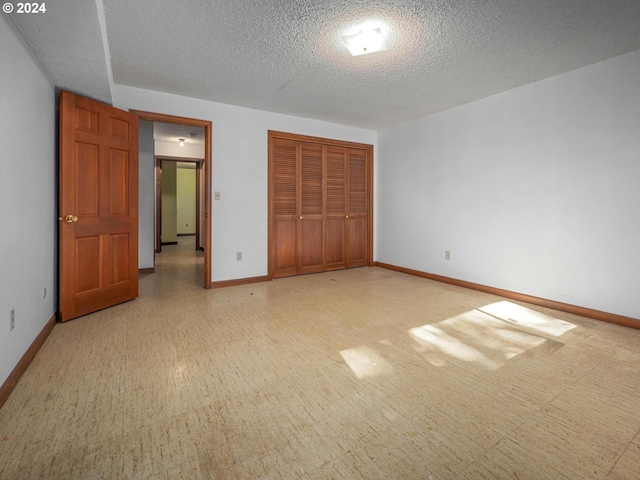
{"x": 347, "y": 216}
{"x": 300, "y": 217}
{"x": 71, "y": 218}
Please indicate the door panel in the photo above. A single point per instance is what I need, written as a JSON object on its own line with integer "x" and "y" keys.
{"x": 87, "y": 172}
{"x": 335, "y": 244}
{"x": 119, "y": 258}
{"x": 336, "y": 208}
{"x": 357, "y": 182}
{"x": 285, "y": 247}
{"x": 87, "y": 253}
{"x": 98, "y": 206}
{"x": 310, "y": 257}
{"x": 357, "y": 233}
{"x": 119, "y": 194}
{"x": 284, "y": 208}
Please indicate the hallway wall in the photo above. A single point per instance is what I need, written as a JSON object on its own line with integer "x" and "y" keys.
{"x": 27, "y": 197}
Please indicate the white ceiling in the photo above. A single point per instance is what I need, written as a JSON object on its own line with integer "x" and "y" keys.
{"x": 286, "y": 56}
{"x": 69, "y": 39}
{"x": 170, "y": 132}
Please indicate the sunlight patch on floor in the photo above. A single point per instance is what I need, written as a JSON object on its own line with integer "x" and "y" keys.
{"x": 366, "y": 362}
{"x": 487, "y": 337}
{"x": 432, "y": 339}
{"x": 525, "y": 317}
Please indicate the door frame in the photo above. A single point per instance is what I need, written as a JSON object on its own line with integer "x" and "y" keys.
{"x": 158, "y": 200}
{"x": 206, "y": 170}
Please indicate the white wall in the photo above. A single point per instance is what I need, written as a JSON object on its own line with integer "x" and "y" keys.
{"x": 239, "y": 151}
{"x": 27, "y": 197}
{"x": 535, "y": 190}
{"x": 146, "y": 196}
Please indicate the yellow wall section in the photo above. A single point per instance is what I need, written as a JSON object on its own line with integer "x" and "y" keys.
{"x": 186, "y": 200}
{"x": 169, "y": 204}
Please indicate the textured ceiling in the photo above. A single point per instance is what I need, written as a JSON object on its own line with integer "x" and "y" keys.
{"x": 69, "y": 39}
{"x": 287, "y": 55}
{"x": 170, "y": 132}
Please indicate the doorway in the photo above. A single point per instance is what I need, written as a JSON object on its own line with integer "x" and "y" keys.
{"x": 204, "y": 169}
{"x": 184, "y": 179}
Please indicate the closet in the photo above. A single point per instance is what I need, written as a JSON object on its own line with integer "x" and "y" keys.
{"x": 319, "y": 204}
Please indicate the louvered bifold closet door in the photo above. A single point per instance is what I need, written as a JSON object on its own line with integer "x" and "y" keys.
{"x": 311, "y": 245}
{"x": 336, "y": 207}
{"x": 285, "y": 209}
{"x": 357, "y": 208}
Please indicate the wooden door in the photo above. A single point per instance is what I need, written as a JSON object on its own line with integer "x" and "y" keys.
{"x": 320, "y": 196}
{"x": 311, "y": 243}
{"x": 98, "y": 231}
{"x": 336, "y": 207}
{"x": 283, "y": 204}
{"x": 357, "y": 217}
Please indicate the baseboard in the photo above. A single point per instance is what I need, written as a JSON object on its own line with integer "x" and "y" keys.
{"x": 521, "y": 297}
{"x": 10, "y": 383}
{"x": 239, "y": 281}
{"x": 169, "y": 243}
{"x": 146, "y": 270}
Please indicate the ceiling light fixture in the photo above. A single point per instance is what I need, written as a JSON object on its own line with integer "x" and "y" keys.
{"x": 366, "y": 41}
{"x": 181, "y": 142}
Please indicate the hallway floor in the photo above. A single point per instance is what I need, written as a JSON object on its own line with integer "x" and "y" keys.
{"x": 356, "y": 374}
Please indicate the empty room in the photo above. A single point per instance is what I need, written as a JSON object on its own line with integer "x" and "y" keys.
{"x": 320, "y": 240}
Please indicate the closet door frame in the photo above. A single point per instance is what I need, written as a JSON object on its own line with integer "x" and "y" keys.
{"x": 323, "y": 141}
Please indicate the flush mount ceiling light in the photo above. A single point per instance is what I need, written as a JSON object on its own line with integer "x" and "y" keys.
{"x": 366, "y": 41}
{"x": 181, "y": 142}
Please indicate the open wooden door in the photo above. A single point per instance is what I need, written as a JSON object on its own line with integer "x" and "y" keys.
{"x": 98, "y": 227}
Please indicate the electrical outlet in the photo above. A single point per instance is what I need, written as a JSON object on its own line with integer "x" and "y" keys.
{"x": 216, "y": 195}
{"x": 447, "y": 255}
{"x": 12, "y": 319}
{"x": 239, "y": 256}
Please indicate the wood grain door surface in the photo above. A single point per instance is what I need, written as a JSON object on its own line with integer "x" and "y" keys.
{"x": 336, "y": 207}
{"x": 98, "y": 198}
{"x": 319, "y": 205}
{"x": 310, "y": 224}
{"x": 357, "y": 211}
{"x": 284, "y": 205}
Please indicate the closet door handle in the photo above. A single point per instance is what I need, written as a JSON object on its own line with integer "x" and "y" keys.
{"x": 300, "y": 217}
{"x": 346, "y": 216}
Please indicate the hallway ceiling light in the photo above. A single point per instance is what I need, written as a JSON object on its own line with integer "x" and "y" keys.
{"x": 181, "y": 142}
{"x": 366, "y": 41}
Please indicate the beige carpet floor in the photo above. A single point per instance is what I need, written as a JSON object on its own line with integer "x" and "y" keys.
{"x": 356, "y": 374}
